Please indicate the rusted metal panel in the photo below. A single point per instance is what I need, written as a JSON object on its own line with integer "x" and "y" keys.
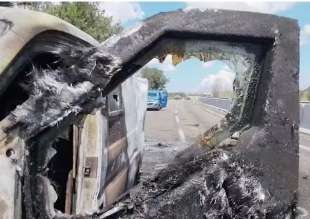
{"x": 116, "y": 148}
{"x": 69, "y": 194}
{"x": 116, "y": 187}
{"x": 91, "y": 167}
{"x": 90, "y": 151}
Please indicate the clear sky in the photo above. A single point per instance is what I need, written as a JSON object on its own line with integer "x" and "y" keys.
{"x": 192, "y": 74}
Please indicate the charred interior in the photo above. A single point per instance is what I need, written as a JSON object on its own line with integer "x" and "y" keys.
{"x": 16, "y": 93}
{"x": 59, "y": 167}
{"x": 21, "y": 87}
{"x": 244, "y": 60}
{"x": 55, "y": 90}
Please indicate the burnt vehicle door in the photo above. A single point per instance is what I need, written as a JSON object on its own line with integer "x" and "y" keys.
{"x": 76, "y": 161}
{"x": 261, "y": 131}
{"x": 109, "y": 149}
{"x": 263, "y": 123}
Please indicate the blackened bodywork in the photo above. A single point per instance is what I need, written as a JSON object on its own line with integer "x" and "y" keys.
{"x": 266, "y": 124}
{"x": 270, "y": 139}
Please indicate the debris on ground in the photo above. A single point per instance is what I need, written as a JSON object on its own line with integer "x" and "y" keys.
{"x": 203, "y": 184}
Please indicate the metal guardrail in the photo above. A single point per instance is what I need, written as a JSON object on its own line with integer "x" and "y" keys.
{"x": 304, "y": 115}
{"x": 222, "y": 103}
{"x": 225, "y": 104}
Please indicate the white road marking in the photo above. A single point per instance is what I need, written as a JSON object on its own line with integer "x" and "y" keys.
{"x": 180, "y": 131}
{"x": 214, "y": 113}
{"x": 181, "y": 135}
{"x": 305, "y": 131}
{"x": 177, "y": 119}
{"x": 303, "y": 147}
{"x": 302, "y": 130}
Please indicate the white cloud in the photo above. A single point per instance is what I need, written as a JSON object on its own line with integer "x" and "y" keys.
{"x": 122, "y": 11}
{"x": 208, "y": 64}
{"x": 255, "y": 6}
{"x": 222, "y": 81}
{"x": 305, "y": 35}
{"x": 165, "y": 66}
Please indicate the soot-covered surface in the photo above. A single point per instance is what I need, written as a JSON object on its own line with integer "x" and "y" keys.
{"x": 201, "y": 184}
{"x": 58, "y": 95}
{"x": 215, "y": 184}
{"x": 271, "y": 138}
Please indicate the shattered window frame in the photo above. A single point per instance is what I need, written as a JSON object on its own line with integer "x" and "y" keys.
{"x": 274, "y": 120}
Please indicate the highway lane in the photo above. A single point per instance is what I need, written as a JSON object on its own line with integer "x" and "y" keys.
{"x": 225, "y": 103}
{"x": 184, "y": 120}
{"x": 161, "y": 125}
{"x": 189, "y": 118}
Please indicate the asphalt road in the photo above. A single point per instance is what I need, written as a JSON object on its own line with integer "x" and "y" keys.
{"x": 182, "y": 121}
{"x": 224, "y": 103}
{"x": 172, "y": 129}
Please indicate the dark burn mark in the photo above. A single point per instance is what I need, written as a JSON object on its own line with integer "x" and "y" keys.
{"x": 57, "y": 96}
{"x": 201, "y": 184}
{"x": 216, "y": 184}
{"x": 5, "y": 26}
{"x": 65, "y": 90}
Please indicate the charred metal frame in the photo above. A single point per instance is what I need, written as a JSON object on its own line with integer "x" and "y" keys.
{"x": 272, "y": 141}
{"x": 271, "y": 138}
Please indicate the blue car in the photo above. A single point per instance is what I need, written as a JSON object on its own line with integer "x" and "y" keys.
{"x": 157, "y": 99}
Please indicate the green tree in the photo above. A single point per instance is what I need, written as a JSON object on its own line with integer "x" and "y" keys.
{"x": 84, "y": 15}
{"x": 6, "y": 4}
{"x": 155, "y": 77}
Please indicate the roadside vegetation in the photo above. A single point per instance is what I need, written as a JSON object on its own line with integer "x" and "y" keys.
{"x": 84, "y": 15}
{"x": 223, "y": 94}
{"x": 177, "y": 95}
{"x": 304, "y": 95}
{"x": 155, "y": 77}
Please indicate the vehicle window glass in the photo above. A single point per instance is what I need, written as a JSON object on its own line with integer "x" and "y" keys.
{"x": 116, "y": 116}
{"x": 114, "y": 100}
{"x": 152, "y": 94}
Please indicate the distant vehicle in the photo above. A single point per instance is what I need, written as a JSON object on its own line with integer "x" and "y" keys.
{"x": 164, "y": 98}
{"x": 83, "y": 167}
{"x": 157, "y": 99}
{"x": 177, "y": 97}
